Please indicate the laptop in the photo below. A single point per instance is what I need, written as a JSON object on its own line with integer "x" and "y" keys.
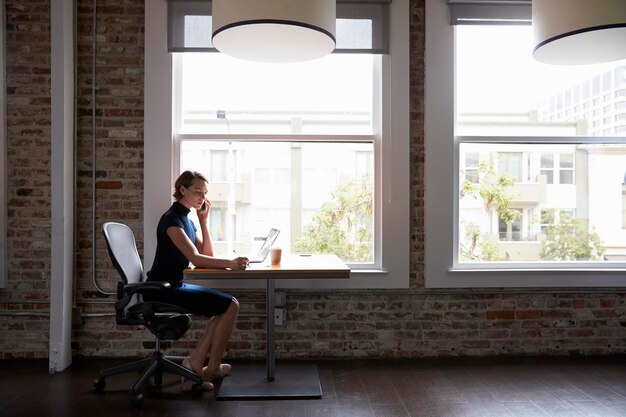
{"x": 265, "y": 248}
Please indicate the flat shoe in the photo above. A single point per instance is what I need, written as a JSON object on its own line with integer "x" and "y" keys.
{"x": 206, "y": 385}
{"x": 210, "y": 376}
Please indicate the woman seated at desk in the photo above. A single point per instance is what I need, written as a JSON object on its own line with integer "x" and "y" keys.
{"x": 178, "y": 243}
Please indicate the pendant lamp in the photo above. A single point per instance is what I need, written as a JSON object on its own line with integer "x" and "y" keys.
{"x": 575, "y": 32}
{"x": 274, "y": 30}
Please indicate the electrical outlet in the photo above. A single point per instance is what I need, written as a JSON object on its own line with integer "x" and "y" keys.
{"x": 279, "y": 316}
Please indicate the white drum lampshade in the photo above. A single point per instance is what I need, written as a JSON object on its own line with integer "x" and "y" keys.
{"x": 274, "y": 30}
{"x": 576, "y": 32}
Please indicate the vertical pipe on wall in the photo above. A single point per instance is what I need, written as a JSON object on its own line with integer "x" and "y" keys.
{"x": 75, "y": 152}
{"x": 93, "y": 142}
{"x": 94, "y": 160}
{"x": 3, "y": 154}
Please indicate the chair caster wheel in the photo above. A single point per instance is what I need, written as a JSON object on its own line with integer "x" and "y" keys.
{"x": 136, "y": 400}
{"x": 197, "y": 388}
{"x": 99, "y": 384}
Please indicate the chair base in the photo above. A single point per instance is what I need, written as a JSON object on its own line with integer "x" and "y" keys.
{"x": 153, "y": 366}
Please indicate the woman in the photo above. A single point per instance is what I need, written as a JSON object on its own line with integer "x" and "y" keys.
{"x": 178, "y": 243}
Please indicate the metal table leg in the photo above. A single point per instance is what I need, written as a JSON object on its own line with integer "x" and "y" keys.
{"x": 271, "y": 348}
{"x": 251, "y": 382}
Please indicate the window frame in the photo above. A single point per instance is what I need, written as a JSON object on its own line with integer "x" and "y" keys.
{"x": 442, "y": 183}
{"x": 391, "y": 154}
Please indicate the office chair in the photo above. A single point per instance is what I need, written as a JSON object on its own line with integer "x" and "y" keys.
{"x": 165, "y": 321}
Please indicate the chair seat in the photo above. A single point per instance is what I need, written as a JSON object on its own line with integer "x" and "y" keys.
{"x": 159, "y": 319}
{"x": 169, "y": 327}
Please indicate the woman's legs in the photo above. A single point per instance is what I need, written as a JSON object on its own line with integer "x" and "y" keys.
{"x": 221, "y": 334}
{"x": 214, "y": 340}
{"x": 199, "y": 354}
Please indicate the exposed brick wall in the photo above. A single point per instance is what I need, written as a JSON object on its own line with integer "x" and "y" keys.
{"x": 118, "y": 142}
{"x": 28, "y": 172}
{"x": 416, "y": 48}
{"x": 400, "y": 323}
{"x": 418, "y": 325}
{"x": 118, "y": 147}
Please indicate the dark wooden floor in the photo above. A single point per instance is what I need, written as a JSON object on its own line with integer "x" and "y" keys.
{"x": 527, "y": 387}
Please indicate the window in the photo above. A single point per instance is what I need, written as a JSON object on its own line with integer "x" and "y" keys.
{"x": 566, "y": 168}
{"x": 565, "y": 173}
{"x": 547, "y": 167}
{"x": 548, "y": 219}
{"x": 282, "y": 143}
{"x": 510, "y": 163}
{"x": 218, "y": 223}
{"x": 548, "y": 176}
{"x": 511, "y": 229}
{"x": 472, "y": 160}
{"x": 217, "y": 165}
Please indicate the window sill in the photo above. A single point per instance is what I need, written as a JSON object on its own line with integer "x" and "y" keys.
{"x": 556, "y": 270}
{"x": 526, "y": 278}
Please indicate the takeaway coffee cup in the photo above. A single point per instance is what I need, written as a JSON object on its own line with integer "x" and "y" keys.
{"x": 275, "y": 255}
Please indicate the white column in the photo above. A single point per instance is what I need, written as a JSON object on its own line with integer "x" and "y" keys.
{"x": 157, "y": 180}
{"x": 62, "y": 178}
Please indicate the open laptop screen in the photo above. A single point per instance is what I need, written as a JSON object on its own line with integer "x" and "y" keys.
{"x": 267, "y": 245}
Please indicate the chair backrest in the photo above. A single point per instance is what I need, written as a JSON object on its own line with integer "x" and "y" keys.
{"x": 122, "y": 249}
{"x": 132, "y": 310}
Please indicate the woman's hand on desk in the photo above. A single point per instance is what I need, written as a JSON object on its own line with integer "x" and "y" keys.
{"x": 240, "y": 262}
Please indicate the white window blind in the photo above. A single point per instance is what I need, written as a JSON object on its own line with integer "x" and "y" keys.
{"x": 490, "y": 12}
{"x": 362, "y": 26}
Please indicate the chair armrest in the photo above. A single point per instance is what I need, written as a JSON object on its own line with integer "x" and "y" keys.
{"x": 126, "y": 292}
{"x": 139, "y": 287}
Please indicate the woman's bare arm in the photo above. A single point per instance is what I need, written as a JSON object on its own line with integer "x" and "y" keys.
{"x": 184, "y": 244}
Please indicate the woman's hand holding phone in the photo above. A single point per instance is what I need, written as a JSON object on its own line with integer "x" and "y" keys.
{"x": 203, "y": 211}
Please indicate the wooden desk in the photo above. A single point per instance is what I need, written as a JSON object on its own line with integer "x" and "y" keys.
{"x": 296, "y": 381}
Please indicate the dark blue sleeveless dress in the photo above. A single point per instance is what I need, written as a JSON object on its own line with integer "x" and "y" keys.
{"x": 169, "y": 263}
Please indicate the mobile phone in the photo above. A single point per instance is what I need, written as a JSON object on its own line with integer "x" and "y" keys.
{"x": 203, "y": 207}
